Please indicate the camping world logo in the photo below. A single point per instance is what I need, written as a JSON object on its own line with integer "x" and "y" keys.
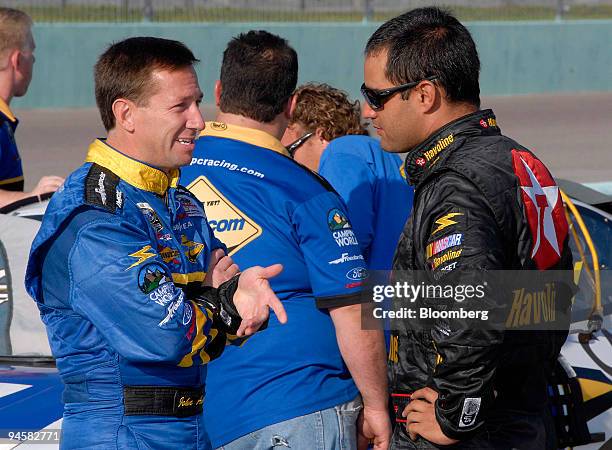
{"x": 232, "y": 226}
{"x": 337, "y": 220}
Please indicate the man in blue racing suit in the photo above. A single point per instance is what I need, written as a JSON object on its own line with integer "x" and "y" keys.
{"x": 124, "y": 265}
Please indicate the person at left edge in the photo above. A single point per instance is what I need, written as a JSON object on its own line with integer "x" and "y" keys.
{"x": 16, "y": 67}
{"x": 123, "y": 264}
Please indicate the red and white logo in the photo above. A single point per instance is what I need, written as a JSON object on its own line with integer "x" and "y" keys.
{"x": 420, "y": 162}
{"x": 543, "y": 207}
{"x": 483, "y": 123}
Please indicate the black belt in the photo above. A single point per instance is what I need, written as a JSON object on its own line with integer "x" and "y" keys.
{"x": 172, "y": 401}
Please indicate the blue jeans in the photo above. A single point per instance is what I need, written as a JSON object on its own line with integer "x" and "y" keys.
{"x": 330, "y": 429}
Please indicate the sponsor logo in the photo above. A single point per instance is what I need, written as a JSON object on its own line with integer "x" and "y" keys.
{"x": 420, "y": 162}
{"x": 119, "y": 199}
{"x": 345, "y": 258}
{"x": 471, "y": 406}
{"x": 152, "y": 276}
{"x": 164, "y": 294}
{"x": 219, "y": 126}
{"x": 543, "y": 208}
{"x": 344, "y": 238}
{"x": 489, "y": 122}
{"x": 193, "y": 248}
{"x": 452, "y": 254}
{"x": 182, "y": 226}
{"x": 171, "y": 311}
{"x": 353, "y": 285}
{"x": 187, "y": 314}
{"x": 188, "y": 207}
{"x": 393, "y": 349}
{"x": 442, "y": 244}
{"x": 449, "y": 267}
{"x": 441, "y": 145}
{"x": 231, "y": 225}
{"x": 168, "y": 254}
{"x": 337, "y": 220}
{"x": 151, "y": 216}
{"x": 357, "y": 274}
{"x": 532, "y": 307}
{"x": 100, "y": 190}
{"x": 141, "y": 255}
{"x": 445, "y": 221}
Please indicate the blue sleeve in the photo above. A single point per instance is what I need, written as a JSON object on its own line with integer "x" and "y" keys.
{"x": 122, "y": 285}
{"x": 336, "y": 267}
{"x": 353, "y": 179}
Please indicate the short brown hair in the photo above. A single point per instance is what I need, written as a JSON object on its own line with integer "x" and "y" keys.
{"x": 328, "y": 108}
{"x": 124, "y": 71}
{"x": 14, "y": 28}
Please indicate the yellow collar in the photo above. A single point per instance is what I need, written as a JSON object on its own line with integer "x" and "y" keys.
{"x": 133, "y": 172}
{"x": 248, "y": 135}
{"x": 4, "y": 109}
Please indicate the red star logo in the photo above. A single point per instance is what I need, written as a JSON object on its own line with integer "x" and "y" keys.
{"x": 543, "y": 208}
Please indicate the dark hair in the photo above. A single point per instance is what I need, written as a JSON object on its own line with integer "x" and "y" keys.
{"x": 320, "y": 106}
{"x": 258, "y": 75}
{"x": 426, "y": 42}
{"x": 124, "y": 71}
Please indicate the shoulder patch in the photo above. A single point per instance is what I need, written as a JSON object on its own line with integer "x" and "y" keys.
{"x": 445, "y": 221}
{"x": 101, "y": 189}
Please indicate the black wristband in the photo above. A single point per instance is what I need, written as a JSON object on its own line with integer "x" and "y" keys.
{"x": 221, "y": 302}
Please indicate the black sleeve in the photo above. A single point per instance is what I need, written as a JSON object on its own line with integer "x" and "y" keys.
{"x": 459, "y": 240}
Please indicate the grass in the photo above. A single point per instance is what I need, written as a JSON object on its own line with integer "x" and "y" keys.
{"x": 82, "y": 13}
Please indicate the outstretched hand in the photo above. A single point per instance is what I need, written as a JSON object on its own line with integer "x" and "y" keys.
{"x": 254, "y": 298}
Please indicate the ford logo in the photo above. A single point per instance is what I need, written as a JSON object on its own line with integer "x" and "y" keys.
{"x": 358, "y": 273}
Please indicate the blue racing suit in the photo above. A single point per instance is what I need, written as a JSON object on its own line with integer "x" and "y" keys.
{"x": 120, "y": 254}
{"x": 11, "y": 171}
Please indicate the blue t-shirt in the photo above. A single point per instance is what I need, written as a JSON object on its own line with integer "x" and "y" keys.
{"x": 377, "y": 196}
{"x": 268, "y": 209}
{"x": 11, "y": 172}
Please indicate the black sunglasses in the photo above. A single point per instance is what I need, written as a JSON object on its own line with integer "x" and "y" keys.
{"x": 292, "y": 148}
{"x": 377, "y": 98}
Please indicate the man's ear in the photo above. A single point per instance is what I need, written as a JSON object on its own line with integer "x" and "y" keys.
{"x": 123, "y": 110}
{"x": 320, "y": 138}
{"x": 13, "y": 59}
{"x": 427, "y": 95}
{"x": 290, "y": 106}
{"x": 218, "y": 92}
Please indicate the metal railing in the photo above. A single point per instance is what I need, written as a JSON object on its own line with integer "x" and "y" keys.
{"x": 300, "y": 10}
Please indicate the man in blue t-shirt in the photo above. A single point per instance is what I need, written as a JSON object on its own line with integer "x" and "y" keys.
{"x": 298, "y": 385}
{"x": 326, "y": 135}
{"x": 16, "y": 65}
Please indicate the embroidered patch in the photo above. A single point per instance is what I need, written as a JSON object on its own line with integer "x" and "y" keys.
{"x": 101, "y": 188}
{"x": 471, "y": 406}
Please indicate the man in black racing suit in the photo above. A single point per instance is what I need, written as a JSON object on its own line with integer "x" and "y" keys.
{"x": 482, "y": 203}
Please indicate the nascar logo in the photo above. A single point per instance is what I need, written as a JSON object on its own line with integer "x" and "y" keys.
{"x": 442, "y": 244}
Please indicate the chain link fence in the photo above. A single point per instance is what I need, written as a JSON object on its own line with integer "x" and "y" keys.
{"x": 300, "y": 10}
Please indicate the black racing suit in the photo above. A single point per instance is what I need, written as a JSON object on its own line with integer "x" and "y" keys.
{"x": 494, "y": 206}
